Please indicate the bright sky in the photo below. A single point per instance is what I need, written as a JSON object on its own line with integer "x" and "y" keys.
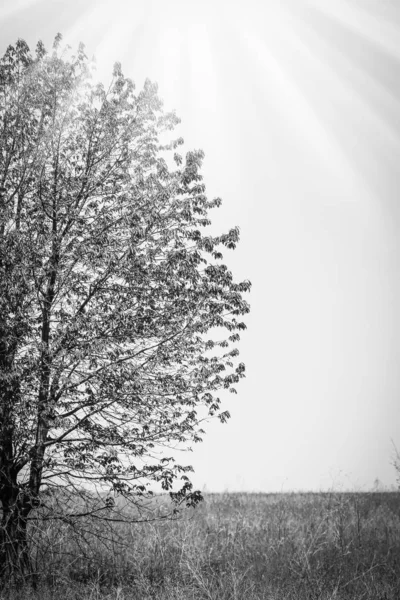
{"x": 296, "y": 104}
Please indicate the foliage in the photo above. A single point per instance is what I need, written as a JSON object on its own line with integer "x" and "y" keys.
{"x": 112, "y": 293}
{"x": 396, "y": 464}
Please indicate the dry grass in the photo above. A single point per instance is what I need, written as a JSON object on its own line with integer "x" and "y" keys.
{"x": 333, "y": 546}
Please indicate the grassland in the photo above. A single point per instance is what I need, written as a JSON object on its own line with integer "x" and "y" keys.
{"x": 338, "y": 546}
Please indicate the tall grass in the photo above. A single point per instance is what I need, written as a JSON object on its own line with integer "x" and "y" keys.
{"x": 232, "y": 547}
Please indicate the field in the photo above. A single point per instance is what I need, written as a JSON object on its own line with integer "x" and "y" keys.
{"x": 233, "y": 547}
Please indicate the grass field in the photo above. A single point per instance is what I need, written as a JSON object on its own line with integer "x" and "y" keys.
{"x": 233, "y": 547}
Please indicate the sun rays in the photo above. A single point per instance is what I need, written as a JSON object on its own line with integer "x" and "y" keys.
{"x": 17, "y": 6}
{"x": 312, "y": 62}
{"x": 309, "y": 46}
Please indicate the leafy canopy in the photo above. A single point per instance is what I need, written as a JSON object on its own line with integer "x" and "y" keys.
{"x": 112, "y": 296}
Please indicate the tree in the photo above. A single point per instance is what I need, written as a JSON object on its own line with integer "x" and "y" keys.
{"x": 111, "y": 295}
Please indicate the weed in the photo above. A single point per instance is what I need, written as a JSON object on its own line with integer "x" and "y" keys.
{"x": 328, "y": 546}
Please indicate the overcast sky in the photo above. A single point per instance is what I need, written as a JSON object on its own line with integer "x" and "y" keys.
{"x": 297, "y": 106}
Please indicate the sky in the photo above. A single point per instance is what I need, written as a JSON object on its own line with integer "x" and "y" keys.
{"x": 296, "y": 104}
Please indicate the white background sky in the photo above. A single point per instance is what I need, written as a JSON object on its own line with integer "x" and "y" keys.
{"x": 296, "y": 104}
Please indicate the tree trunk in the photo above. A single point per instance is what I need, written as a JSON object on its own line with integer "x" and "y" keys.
{"x": 15, "y": 563}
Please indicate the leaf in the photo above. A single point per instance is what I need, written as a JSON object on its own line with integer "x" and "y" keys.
{"x": 110, "y": 294}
